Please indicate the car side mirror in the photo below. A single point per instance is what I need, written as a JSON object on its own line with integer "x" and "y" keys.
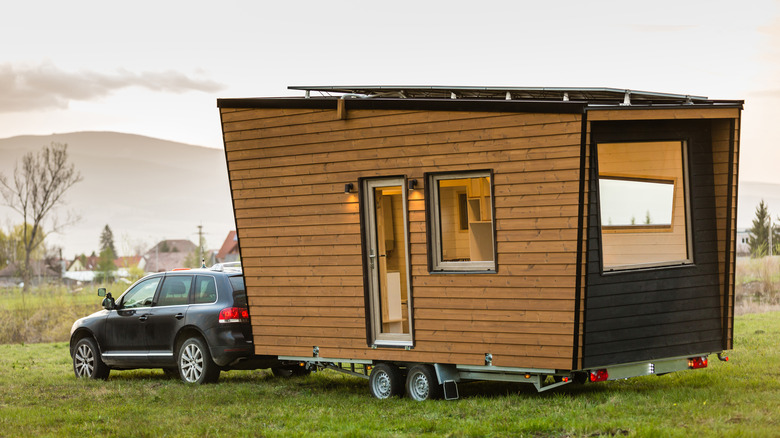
{"x": 108, "y": 301}
{"x": 102, "y": 292}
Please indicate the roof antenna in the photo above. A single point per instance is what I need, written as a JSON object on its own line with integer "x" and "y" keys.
{"x": 203, "y": 263}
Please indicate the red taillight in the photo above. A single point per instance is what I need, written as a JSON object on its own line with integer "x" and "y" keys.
{"x": 234, "y": 314}
{"x": 599, "y": 375}
{"x": 697, "y": 362}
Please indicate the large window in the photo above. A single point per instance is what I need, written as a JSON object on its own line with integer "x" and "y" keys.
{"x": 643, "y": 197}
{"x": 462, "y": 237}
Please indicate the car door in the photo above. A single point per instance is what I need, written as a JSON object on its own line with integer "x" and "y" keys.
{"x": 167, "y": 317}
{"x": 125, "y": 329}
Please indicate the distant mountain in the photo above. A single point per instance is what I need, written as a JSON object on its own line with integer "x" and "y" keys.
{"x": 146, "y": 189}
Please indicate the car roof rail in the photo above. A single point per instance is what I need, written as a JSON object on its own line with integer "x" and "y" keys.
{"x": 227, "y": 266}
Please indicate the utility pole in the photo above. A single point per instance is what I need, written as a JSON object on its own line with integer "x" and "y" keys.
{"x": 200, "y": 241}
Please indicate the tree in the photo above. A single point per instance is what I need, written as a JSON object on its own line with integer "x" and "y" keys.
{"x": 5, "y": 250}
{"x": 107, "y": 240}
{"x": 758, "y": 239}
{"x": 105, "y": 266}
{"x": 39, "y": 184}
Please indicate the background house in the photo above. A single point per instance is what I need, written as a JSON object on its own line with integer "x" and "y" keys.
{"x": 168, "y": 254}
{"x": 229, "y": 250}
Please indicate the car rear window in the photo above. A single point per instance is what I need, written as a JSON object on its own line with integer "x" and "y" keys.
{"x": 239, "y": 291}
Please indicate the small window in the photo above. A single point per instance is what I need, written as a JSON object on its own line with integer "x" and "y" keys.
{"x": 205, "y": 290}
{"x": 175, "y": 291}
{"x": 643, "y": 199}
{"x": 461, "y": 217}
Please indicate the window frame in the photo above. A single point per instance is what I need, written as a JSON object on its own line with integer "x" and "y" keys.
{"x": 435, "y": 263}
{"x": 684, "y": 183}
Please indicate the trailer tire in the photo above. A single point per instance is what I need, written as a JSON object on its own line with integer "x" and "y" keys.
{"x": 422, "y": 384}
{"x": 386, "y": 381}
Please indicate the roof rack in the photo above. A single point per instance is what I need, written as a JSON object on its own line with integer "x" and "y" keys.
{"x": 227, "y": 266}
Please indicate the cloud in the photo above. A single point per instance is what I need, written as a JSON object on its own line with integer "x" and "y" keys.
{"x": 45, "y": 86}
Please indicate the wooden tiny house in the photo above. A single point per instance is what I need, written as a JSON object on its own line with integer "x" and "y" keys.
{"x": 522, "y": 230}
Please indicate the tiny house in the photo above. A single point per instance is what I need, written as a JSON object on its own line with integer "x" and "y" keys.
{"x": 431, "y": 235}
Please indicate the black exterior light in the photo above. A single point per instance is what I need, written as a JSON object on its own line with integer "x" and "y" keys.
{"x": 412, "y": 184}
{"x": 348, "y": 188}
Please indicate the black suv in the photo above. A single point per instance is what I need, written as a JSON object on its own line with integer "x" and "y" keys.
{"x": 191, "y": 323}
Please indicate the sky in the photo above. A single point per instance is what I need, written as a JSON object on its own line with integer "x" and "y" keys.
{"x": 157, "y": 68}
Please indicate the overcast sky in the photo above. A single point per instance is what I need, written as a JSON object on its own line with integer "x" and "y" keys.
{"x": 157, "y": 67}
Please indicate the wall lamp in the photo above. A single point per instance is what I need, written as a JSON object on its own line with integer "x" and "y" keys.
{"x": 348, "y": 188}
{"x": 412, "y": 184}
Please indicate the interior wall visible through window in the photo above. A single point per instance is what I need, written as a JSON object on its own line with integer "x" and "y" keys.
{"x": 643, "y": 197}
{"x": 462, "y": 222}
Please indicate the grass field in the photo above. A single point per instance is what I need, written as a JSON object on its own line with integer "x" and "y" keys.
{"x": 40, "y": 397}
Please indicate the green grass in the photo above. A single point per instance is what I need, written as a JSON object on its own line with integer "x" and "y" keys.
{"x": 40, "y": 397}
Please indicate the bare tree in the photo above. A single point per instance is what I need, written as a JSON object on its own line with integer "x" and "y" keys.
{"x": 37, "y": 189}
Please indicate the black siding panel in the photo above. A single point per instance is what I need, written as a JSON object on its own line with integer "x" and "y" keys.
{"x": 662, "y": 312}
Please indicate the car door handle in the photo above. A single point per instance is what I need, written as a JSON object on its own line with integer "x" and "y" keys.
{"x": 143, "y": 317}
{"x": 178, "y": 316}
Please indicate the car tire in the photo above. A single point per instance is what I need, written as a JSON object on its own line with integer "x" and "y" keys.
{"x": 422, "y": 384}
{"x": 290, "y": 371}
{"x": 195, "y": 363}
{"x": 87, "y": 363}
{"x": 386, "y": 381}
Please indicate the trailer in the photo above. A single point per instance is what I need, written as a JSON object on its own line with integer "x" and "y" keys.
{"x": 425, "y": 236}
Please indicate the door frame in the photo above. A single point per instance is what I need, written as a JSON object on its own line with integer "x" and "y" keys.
{"x": 371, "y": 281}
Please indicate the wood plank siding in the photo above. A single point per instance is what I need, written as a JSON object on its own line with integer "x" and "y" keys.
{"x": 300, "y": 234}
{"x": 639, "y": 315}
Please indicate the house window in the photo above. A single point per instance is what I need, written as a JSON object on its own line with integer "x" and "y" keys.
{"x": 461, "y": 220}
{"x": 643, "y": 205}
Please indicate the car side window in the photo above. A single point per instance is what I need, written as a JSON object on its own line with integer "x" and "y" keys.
{"x": 141, "y": 295}
{"x": 175, "y": 290}
{"x": 205, "y": 290}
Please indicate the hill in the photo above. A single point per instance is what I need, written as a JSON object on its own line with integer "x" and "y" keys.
{"x": 146, "y": 189}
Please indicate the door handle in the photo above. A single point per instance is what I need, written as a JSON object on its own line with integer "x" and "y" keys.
{"x": 143, "y": 317}
{"x": 179, "y": 315}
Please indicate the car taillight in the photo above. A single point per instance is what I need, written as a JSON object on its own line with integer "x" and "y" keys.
{"x": 697, "y": 362}
{"x": 599, "y": 375}
{"x": 234, "y": 314}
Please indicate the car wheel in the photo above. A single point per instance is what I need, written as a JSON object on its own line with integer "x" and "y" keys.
{"x": 386, "y": 381}
{"x": 290, "y": 371}
{"x": 87, "y": 362}
{"x": 195, "y": 362}
{"x": 422, "y": 384}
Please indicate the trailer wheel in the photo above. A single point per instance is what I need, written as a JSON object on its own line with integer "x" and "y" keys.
{"x": 422, "y": 384}
{"x": 386, "y": 381}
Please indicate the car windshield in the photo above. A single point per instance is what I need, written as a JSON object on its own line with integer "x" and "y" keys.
{"x": 239, "y": 291}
